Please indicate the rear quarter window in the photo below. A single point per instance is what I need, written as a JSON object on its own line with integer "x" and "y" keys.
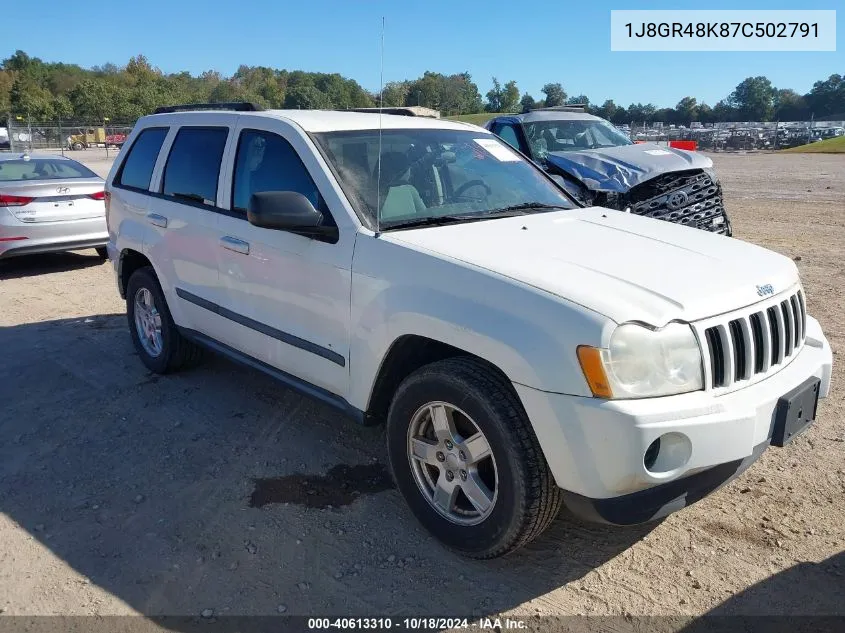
{"x": 137, "y": 170}
{"x": 193, "y": 165}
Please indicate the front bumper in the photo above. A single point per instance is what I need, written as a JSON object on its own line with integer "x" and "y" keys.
{"x": 49, "y": 237}
{"x": 595, "y": 448}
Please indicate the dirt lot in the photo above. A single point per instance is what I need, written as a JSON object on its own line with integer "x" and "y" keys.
{"x": 123, "y": 492}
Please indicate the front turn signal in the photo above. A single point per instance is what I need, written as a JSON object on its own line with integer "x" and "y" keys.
{"x": 593, "y": 368}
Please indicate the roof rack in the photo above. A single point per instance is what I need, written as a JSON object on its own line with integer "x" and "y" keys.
{"x": 571, "y": 107}
{"x": 406, "y": 111}
{"x": 237, "y": 106}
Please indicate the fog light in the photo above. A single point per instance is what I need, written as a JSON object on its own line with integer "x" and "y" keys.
{"x": 668, "y": 453}
{"x": 651, "y": 454}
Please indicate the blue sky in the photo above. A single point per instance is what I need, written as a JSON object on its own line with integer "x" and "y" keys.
{"x": 531, "y": 42}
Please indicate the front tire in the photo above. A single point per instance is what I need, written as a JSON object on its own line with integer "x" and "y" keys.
{"x": 154, "y": 333}
{"x": 465, "y": 457}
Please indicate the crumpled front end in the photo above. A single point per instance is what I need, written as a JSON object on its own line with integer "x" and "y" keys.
{"x": 692, "y": 198}
{"x": 662, "y": 183}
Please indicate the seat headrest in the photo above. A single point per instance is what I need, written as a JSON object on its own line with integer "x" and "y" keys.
{"x": 393, "y": 165}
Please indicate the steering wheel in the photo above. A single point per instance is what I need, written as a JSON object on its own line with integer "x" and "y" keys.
{"x": 473, "y": 183}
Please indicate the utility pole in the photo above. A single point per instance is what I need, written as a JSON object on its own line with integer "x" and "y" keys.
{"x": 106, "y": 132}
{"x": 17, "y": 118}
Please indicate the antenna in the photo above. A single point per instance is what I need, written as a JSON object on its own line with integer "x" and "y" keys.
{"x": 380, "y": 108}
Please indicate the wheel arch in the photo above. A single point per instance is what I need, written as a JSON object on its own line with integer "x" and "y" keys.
{"x": 128, "y": 262}
{"x": 405, "y": 355}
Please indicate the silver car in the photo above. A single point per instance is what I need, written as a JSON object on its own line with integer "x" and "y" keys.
{"x": 50, "y": 203}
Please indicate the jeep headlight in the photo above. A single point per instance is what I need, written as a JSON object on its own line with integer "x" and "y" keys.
{"x": 643, "y": 363}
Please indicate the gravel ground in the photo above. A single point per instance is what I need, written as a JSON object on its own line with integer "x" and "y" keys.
{"x": 123, "y": 492}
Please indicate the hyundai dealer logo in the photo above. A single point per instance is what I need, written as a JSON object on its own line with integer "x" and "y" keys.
{"x": 765, "y": 291}
{"x": 676, "y": 200}
{"x": 62, "y": 189}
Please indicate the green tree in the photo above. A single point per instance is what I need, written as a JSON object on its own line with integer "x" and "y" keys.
{"x": 827, "y": 97}
{"x": 753, "y": 99}
{"x": 686, "y": 110}
{"x": 510, "y": 97}
{"x": 621, "y": 116}
{"x": 93, "y": 100}
{"x": 527, "y": 103}
{"x": 139, "y": 70}
{"x": 304, "y": 97}
{"x": 7, "y": 80}
{"x": 639, "y": 113}
{"x": 494, "y": 97}
{"x": 724, "y": 111}
{"x": 20, "y": 62}
{"x": 426, "y": 91}
{"x": 608, "y": 110}
{"x": 790, "y": 106}
{"x": 395, "y": 93}
{"x": 579, "y": 100}
{"x": 461, "y": 94}
{"x": 555, "y": 94}
{"x": 666, "y": 115}
{"x": 62, "y": 108}
{"x": 29, "y": 99}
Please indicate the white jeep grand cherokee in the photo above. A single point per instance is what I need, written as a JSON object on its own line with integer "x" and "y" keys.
{"x": 524, "y": 352}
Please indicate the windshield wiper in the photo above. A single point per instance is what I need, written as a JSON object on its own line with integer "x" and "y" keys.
{"x": 440, "y": 220}
{"x": 519, "y": 209}
{"x": 436, "y": 220}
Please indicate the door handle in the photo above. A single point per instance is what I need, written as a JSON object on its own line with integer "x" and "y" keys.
{"x": 234, "y": 244}
{"x": 157, "y": 220}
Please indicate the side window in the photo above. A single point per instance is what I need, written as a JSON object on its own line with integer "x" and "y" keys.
{"x": 267, "y": 162}
{"x": 193, "y": 166}
{"x": 508, "y": 135}
{"x": 137, "y": 168}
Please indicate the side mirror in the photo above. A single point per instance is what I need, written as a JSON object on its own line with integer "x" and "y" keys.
{"x": 289, "y": 211}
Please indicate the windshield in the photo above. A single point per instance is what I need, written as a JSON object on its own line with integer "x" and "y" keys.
{"x": 571, "y": 136}
{"x": 42, "y": 169}
{"x": 426, "y": 174}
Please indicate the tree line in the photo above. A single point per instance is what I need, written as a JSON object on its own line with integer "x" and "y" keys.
{"x": 42, "y": 91}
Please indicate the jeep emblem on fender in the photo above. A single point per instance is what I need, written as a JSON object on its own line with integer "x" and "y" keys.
{"x": 766, "y": 290}
{"x": 676, "y": 200}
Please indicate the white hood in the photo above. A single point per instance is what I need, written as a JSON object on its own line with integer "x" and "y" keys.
{"x": 626, "y": 267}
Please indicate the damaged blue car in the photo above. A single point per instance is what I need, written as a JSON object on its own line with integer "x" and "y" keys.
{"x": 600, "y": 166}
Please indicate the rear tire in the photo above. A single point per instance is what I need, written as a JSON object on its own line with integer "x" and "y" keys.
{"x": 154, "y": 333}
{"x": 481, "y": 410}
{"x": 103, "y": 252}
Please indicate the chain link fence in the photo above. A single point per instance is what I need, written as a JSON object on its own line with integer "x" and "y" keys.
{"x": 30, "y": 136}
{"x": 25, "y": 136}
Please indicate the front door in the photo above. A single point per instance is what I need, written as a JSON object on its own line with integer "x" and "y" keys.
{"x": 287, "y": 295}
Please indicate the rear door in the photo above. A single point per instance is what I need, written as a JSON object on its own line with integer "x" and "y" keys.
{"x": 182, "y": 239}
{"x": 129, "y": 189}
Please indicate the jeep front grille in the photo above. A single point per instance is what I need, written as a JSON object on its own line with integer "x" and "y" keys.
{"x": 746, "y": 346}
{"x": 690, "y": 198}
